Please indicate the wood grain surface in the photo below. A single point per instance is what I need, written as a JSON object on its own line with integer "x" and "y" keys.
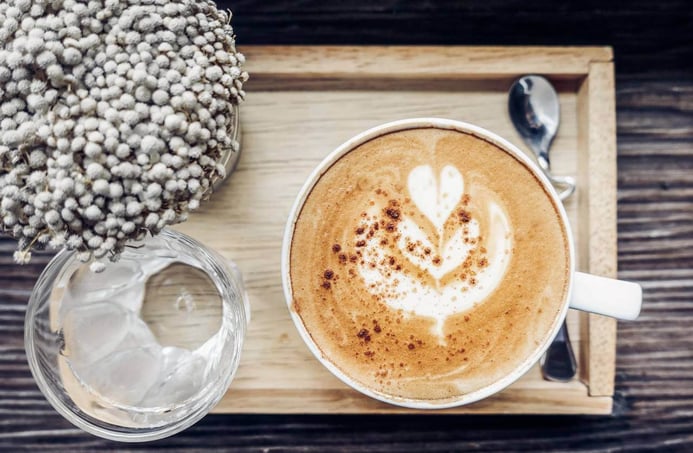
{"x": 653, "y": 409}
{"x": 598, "y": 215}
{"x": 420, "y": 62}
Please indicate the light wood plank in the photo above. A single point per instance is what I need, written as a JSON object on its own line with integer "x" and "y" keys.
{"x": 597, "y": 227}
{"x": 426, "y": 62}
{"x": 347, "y": 401}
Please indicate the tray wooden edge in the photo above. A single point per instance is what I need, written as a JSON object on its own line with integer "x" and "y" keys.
{"x": 422, "y": 61}
{"x": 597, "y": 113}
{"x": 574, "y": 401}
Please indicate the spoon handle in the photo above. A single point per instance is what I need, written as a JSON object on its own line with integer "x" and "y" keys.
{"x": 543, "y": 160}
{"x": 559, "y": 361}
{"x": 565, "y": 185}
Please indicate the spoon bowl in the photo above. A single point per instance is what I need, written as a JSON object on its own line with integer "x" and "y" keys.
{"x": 535, "y": 112}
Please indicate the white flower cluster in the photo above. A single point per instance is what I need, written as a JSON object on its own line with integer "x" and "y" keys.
{"x": 113, "y": 117}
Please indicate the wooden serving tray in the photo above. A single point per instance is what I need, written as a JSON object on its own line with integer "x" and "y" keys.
{"x": 304, "y": 101}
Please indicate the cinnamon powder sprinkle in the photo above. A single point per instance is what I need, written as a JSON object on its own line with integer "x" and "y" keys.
{"x": 328, "y": 274}
{"x": 336, "y": 248}
{"x": 364, "y": 335}
{"x": 392, "y": 213}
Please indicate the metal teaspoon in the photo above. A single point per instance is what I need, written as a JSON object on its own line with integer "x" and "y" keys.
{"x": 535, "y": 113}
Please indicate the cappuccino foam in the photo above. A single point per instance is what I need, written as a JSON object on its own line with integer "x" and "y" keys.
{"x": 428, "y": 263}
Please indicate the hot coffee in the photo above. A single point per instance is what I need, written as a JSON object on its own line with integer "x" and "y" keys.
{"x": 428, "y": 263}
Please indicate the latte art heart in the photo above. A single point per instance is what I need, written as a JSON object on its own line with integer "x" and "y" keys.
{"x": 435, "y": 198}
{"x": 455, "y": 247}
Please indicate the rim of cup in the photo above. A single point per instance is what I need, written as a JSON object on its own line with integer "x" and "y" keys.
{"x": 396, "y": 126}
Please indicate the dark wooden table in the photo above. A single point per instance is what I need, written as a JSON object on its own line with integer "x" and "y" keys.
{"x": 653, "y": 43}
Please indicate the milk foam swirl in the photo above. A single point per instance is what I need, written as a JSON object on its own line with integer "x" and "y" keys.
{"x": 477, "y": 262}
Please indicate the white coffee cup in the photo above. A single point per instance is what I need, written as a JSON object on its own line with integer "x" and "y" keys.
{"x": 591, "y": 293}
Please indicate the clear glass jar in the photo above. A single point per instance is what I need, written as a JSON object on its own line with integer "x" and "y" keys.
{"x": 144, "y": 349}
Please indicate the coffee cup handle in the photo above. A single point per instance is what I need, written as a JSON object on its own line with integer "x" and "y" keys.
{"x": 606, "y": 296}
